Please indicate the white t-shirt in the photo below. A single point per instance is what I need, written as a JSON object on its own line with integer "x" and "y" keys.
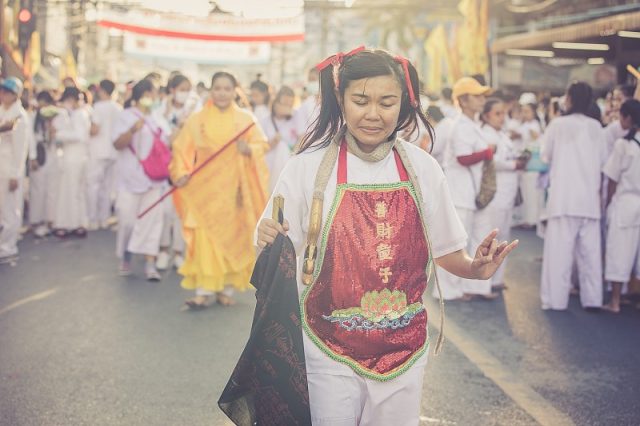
{"x": 104, "y": 115}
{"x": 466, "y": 138}
{"x": 131, "y": 175}
{"x": 278, "y": 156}
{"x": 528, "y": 130}
{"x": 623, "y": 167}
{"x": 443, "y": 132}
{"x": 574, "y": 147}
{"x": 305, "y": 115}
{"x": 612, "y": 133}
{"x": 505, "y": 161}
{"x": 14, "y": 144}
{"x": 296, "y": 186}
{"x": 261, "y": 112}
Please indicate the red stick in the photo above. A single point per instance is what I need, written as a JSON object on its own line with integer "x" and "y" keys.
{"x": 200, "y": 167}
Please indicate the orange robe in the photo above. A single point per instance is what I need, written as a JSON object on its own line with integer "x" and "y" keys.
{"x": 221, "y": 205}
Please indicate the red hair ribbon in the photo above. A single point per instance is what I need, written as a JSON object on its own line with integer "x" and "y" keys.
{"x": 336, "y": 60}
{"x": 405, "y": 66}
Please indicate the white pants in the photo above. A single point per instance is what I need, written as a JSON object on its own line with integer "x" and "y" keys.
{"x": 171, "y": 227}
{"x": 570, "y": 239}
{"x": 11, "y": 205}
{"x": 623, "y": 251}
{"x": 500, "y": 219}
{"x": 354, "y": 400}
{"x": 42, "y": 191}
{"x": 99, "y": 189}
{"x": 71, "y": 206}
{"x": 140, "y": 236}
{"x": 530, "y": 198}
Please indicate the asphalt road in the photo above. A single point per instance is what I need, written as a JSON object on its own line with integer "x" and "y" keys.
{"x": 81, "y": 346}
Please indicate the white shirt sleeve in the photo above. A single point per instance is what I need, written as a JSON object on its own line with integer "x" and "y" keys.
{"x": 290, "y": 186}
{"x": 20, "y": 141}
{"x": 546, "y": 153}
{"x": 463, "y": 140}
{"x": 614, "y": 165}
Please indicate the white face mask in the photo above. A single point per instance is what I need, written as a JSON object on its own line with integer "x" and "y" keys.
{"x": 182, "y": 96}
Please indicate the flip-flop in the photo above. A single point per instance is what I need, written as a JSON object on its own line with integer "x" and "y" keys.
{"x": 609, "y": 309}
{"x": 225, "y": 300}
{"x": 192, "y": 305}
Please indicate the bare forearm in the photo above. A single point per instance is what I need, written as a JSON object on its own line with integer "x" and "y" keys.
{"x": 123, "y": 140}
{"x": 458, "y": 263}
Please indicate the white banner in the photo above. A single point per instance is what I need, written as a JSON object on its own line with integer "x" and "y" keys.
{"x": 212, "y": 28}
{"x": 202, "y": 52}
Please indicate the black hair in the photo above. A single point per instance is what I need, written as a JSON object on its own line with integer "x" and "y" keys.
{"x": 627, "y": 90}
{"x": 108, "y": 86}
{"x": 580, "y": 94}
{"x": 201, "y": 85}
{"x": 631, "y": 108}
{"x": 284, "y": 91}
{"x": 153, "y": 75}
{"x": 70, "y": 93}
{"x": 488, "y": 106}
{"x": 176, "y": 81}
{"x": 224, "y": 74}
{"x": 447, "y": 93}
{"x": 594, "y": 112}
{"x": 45, "y": 96}
{"x": 480, "y": 79}
{"x": 364, "y": 64}
{"x": 139, "y": 89}
{"x": 434, "y": 113}
{"x": 261, "y": 86}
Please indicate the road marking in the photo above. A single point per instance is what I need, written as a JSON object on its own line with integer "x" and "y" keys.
{"x": 34, "y": 298}
{"x": 524, "y": 396}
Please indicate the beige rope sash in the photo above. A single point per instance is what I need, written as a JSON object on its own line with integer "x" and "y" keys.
{"x": 315, "y": 219}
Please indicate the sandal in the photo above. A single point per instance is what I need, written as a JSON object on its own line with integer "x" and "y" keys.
{"x": 198, "y": 302}
{"x": 225, "y": 300}
{"x": 80, "y": 233}
{"x": 60, "y": 233}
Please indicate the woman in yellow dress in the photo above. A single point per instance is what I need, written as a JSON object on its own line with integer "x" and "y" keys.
{"x": 220, "y": 205}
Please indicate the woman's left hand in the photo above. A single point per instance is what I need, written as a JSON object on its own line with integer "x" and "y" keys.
{"x": 490, "y": 255}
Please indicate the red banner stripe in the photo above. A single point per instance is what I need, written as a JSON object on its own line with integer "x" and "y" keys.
{"x": 196, "y": 36}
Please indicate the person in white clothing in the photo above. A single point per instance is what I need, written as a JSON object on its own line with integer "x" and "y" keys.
{"x": 70, "y": 130}
{"x": 14, "y": 146}
{"x": 174, "y": 111}
{"x": 442, "y": 129}
{"x": 354, "y": 177}
{"x": 43, "y": 164}
{"x": 260, "y": 98}
{"x": 446, "y": 105}
{"x": 308, "y": 110}
{"x": 530, "y": 131}
{"x": 574, "y": 148}
{"x": 623, "y": 172}
{"x": 134, "y": 135}
{"x": 282, "y": 132}
{"x": 102, "y": 156}
{"x": 500, "y": 209}
{"x": 466, "y": 152}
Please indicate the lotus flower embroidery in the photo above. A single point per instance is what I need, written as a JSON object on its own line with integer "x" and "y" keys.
{"x": 377, "y": 310}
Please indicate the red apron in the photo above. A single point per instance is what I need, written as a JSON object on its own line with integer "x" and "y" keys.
{"x": 364, "y": 307}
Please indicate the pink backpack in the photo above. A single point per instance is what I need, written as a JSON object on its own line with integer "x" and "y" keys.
{"x": 156, "y": 165}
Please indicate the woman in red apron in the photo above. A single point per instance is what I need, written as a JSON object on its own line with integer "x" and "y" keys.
{"x": 368, "y": 214}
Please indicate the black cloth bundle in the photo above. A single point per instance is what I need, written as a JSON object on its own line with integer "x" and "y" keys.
{"x": 269, "y": 384}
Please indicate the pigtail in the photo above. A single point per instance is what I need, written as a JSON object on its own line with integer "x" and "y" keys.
{"x": 411, "y": 105}
{"x": 329, "y": 119}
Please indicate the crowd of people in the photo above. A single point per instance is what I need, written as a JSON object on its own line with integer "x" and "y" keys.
{"x": 537, "y": 161}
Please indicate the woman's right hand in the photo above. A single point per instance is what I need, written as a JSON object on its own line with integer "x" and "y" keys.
{"x": 182, "y": 181}
{"x": 268, "y": 230}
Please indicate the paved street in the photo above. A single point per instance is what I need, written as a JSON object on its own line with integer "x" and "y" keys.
{"x": 81, "y": 346}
